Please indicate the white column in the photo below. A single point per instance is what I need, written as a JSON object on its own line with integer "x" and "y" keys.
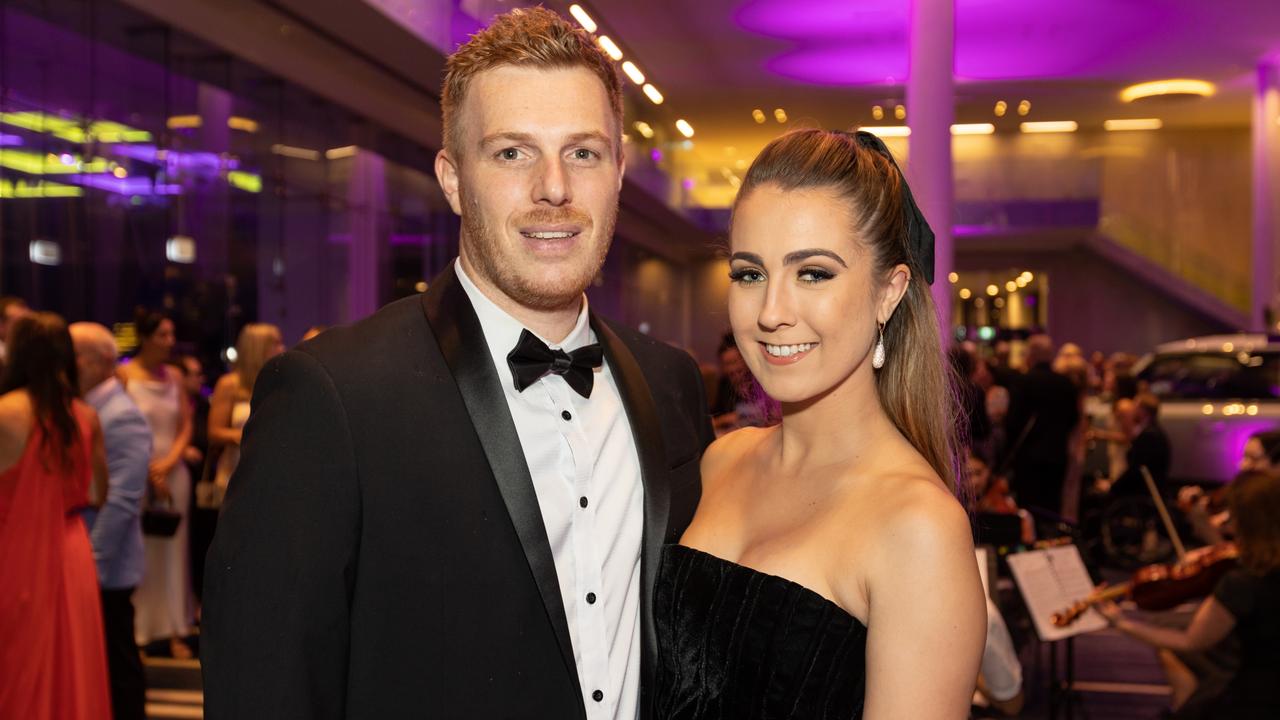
{"x": 1266, "y": 195}
{"x": 930, "y": 109}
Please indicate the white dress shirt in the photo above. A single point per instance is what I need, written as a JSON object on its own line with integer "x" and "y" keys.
{"x": 586, "y": 473}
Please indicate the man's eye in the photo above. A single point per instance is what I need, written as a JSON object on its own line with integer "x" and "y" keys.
{"x": 509, "y": 154}
{"x": 584, "y": 154}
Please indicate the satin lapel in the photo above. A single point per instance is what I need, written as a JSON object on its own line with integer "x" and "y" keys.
{"x": 461, "y": 341}
{"x": 643, "y": 416}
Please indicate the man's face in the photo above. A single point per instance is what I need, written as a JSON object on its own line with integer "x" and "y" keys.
{"x": 536, "y": 179}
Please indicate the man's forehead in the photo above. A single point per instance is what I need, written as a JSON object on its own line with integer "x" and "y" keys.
{"x": 544, "y": 103}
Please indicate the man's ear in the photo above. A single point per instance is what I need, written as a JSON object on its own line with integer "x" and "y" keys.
{"x": 894, "y": 291}
{"x": 447, "y": 176}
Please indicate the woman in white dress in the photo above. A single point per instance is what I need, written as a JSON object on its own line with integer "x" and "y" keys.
{"x": 165, "y": 601}
{"x": 229, "y": 407}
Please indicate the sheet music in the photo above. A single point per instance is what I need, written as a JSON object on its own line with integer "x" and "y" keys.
{"x": 1050, "y": 581}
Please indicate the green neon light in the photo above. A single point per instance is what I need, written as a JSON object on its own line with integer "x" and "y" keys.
{"x": 241, "y": 180}
{"x": 34, "y": 164}
{"x": 72, "y": 130}
{"x": 38, "y": 189}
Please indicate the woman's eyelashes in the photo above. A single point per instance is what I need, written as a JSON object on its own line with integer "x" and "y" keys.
{"x": 814, "y": 275}
{"x": 753, "y": 276}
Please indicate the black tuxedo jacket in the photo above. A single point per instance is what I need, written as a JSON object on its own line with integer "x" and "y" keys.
{"x": 381, "y": 553}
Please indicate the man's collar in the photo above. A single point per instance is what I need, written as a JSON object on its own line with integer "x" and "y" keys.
{"x": 101, "y": 391}
{"x": 502, "y": 331}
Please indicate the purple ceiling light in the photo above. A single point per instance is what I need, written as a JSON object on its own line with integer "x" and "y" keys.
{"x": 839, "y": 42}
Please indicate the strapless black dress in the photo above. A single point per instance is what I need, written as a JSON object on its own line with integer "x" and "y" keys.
{"x": 738, "y": 644}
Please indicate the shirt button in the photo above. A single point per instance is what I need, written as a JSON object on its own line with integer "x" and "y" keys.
{"x": 582, "y": 501}
{"x": 597, "y": 696}
{"x": 591, "y": 598}
{"x": 565, "y": 414}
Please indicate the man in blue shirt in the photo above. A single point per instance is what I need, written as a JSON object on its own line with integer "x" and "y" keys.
{"x": 116, "y": 529}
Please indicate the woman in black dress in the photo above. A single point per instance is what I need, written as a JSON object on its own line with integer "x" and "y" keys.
{"x": 1245, "y": 602}
{"x": 829, "y": 571}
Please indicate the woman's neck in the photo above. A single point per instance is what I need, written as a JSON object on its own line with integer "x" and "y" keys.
{"x": 148, "y": 362}
{"x": 840, "y": 427}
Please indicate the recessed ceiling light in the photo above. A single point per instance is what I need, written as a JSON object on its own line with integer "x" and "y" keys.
{"x": 877, "y": 112}
{"x": 610, "y": 47}
{"x": 1001, "y": 108}
{"x": 1024, "y": 108}
{"x": 758, "y": 116}
{"x": 1180, "y": 86}
{"x": 900, "y": 112}
{"x": 633, "y": 72}
{"x": 780, "y": 115}
{"x": 583, "y": 18}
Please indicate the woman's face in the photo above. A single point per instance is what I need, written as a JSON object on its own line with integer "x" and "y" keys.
{"x": 1255, "y": 456}
{"x": 802, "y": 303}
{"x": 161, "y": 341}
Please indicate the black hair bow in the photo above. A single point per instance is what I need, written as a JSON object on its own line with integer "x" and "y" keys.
{"x": 920, "y": 237}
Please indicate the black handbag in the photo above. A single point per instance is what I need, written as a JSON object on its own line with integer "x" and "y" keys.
{"x": 160, "y": 520}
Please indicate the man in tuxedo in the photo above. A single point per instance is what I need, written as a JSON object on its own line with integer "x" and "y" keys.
{"x": 455, "y": 508}
{"x": 1044, "y": 409}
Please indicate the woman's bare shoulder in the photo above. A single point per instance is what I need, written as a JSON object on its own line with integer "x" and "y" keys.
{"x": 728, "y": 449}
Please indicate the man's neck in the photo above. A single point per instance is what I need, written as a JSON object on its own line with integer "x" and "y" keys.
{"x": 553, "y": 325}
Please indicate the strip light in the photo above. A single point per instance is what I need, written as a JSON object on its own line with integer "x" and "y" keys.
{"x": 1133, "y": 124}
{"x": 1179, "y": 86}
{"x": 653, "y": 93}
{"x": 684, "y": 127}
{"x": 973, "y": 129}
{"x": 887, "y": 131}
{"x": 1052, "y": 126}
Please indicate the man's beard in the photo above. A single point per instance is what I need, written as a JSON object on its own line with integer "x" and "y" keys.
{"x": 485, "y": 247}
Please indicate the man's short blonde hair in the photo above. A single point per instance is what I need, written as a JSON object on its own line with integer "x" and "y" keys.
{"x": 525, "y": 37}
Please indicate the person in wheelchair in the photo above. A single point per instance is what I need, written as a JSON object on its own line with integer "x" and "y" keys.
{"x": 1149, "y": 447}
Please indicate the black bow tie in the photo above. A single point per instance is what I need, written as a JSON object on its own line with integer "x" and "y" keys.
{"x": 531, "y": 359}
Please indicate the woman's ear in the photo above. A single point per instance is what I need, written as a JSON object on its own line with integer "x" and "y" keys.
{"x": 893, "y": 292}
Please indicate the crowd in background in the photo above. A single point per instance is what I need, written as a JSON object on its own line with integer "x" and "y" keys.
{"x": 1064, "y": 445}
{"x": 113, "y": 473}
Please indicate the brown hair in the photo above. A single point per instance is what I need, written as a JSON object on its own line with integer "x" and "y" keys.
{"x": 42, "y": 360}
{"x": 1254, "y": 499}
{"x": 527, "y": 37}
{"x": 916, "y": 385}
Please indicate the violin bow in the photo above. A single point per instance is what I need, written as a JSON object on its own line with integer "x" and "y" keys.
{"x": 1164, "y": 514}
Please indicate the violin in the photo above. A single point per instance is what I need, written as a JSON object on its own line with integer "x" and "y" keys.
{"x": 1161, "y": 587}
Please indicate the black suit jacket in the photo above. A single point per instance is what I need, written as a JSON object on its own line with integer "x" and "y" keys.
{"x": 381, "y": 553}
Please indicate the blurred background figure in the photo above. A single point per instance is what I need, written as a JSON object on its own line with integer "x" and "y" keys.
{"x": 52, "y": 652}
{"x": 164, "y": 601}
{"x": 116, "y": 529}
{"x": 1044, "y": 411}
{"x": 229, "y": 407}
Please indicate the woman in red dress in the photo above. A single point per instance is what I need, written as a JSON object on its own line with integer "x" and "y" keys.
{"x": 52, "y": 657}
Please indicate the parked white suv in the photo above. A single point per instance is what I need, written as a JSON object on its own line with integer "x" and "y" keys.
{"x": 1214, "y": 392}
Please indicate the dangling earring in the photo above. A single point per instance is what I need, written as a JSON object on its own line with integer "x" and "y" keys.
{"x": 877, "y": 357}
